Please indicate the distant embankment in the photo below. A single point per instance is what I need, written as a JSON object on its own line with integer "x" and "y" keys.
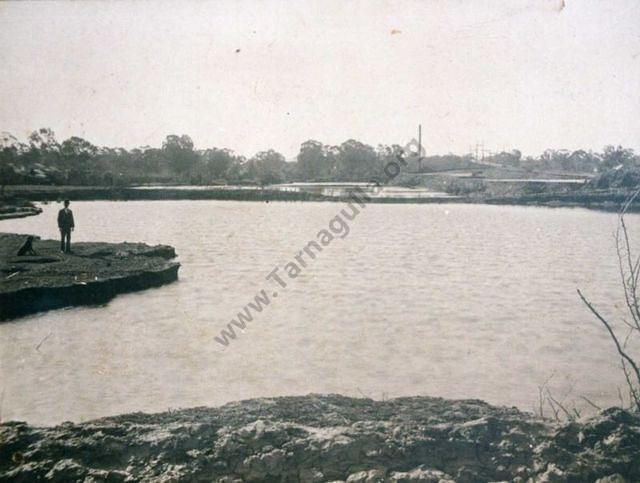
{"x": 608, "y": 200}
{"x": 57, "y": 193}
{"x": 328, "y": 438}
{"x": 586, "y": 197}
{"x": 93, "y": 274}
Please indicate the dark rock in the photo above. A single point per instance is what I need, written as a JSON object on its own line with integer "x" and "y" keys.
{"x": 328, "y": 438}
{"x": 605, "y": 445}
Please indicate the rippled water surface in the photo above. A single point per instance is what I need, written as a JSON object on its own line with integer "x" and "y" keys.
{"x": 460, "y": 301}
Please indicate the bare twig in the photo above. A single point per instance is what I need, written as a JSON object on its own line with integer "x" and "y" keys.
{"x": 557, "y": 403}
{"x": 629, "y": 324}
{"x": 629, "y": 270}
{"x": 541, "y": 397}
{"x": 540, "y": 401}
{"x": 631, "y": 285}
{"x": 631, "y": 303}
{"x": 622, "y": 353}
{"x": 620, "y": 397}
{"x": 633, "y": 393}
{"x": 629, "y": 201}
{"x": 553, "y": 408}
{"x": 591, "y": 403}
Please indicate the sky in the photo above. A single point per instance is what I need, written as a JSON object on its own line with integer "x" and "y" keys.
{"x": 252, "y": 75}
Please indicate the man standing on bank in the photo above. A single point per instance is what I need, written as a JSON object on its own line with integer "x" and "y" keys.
{"x": 66, "y": 225}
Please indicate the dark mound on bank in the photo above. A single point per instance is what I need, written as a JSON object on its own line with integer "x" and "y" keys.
{"x": 93, "y": 274}
{"x": 325, "y": 438}
{"x": 17, "y": 208}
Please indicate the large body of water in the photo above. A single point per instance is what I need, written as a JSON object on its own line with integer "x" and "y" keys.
{"x": 459, "y": 301}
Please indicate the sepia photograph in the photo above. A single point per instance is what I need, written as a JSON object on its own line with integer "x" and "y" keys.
{"x": 352, "y": 241}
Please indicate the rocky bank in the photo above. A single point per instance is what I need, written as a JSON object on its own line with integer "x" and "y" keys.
{"x": 93, "y": 274}
{"x": 328, "y": 438}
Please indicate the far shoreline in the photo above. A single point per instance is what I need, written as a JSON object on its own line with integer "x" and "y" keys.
{"x": 601, "y": 200}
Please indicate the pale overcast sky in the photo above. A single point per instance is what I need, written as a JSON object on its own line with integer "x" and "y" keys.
{"x": 253, "y": 75}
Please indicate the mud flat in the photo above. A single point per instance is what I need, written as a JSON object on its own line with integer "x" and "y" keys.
{"x": 93, "y": 274}
{"x": 328, "y": 438}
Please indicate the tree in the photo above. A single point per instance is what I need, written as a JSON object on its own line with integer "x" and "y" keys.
{"x": 77, "y": 150}
{"x": 267, "y": 167}
{"x": 10, "y": 148}
{"x": 152, "y": 161}
{"x": 582, "y": 160}
{"x": 312, "y": 161}
{"x": 387, "y": 154}
{"x": 508, "y": 158}
{"x": 179, "y": 152}
{"x": 235, "y": 170}
{"x": 218, "y": 161}
{"x": 44, "y": 139}
{"x": 617, "y": 156}
{"x": 43, "y": 147}
{"x": 356, "y": 161}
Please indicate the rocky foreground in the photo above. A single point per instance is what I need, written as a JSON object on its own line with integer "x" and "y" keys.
{"x": 93, "y": 273}
{"x": 328, "y": 438}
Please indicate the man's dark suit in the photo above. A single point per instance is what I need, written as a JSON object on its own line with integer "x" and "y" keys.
{"x": 65, "y": 223}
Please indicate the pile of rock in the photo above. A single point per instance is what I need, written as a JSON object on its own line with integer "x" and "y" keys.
{"x": 328, "y": 438}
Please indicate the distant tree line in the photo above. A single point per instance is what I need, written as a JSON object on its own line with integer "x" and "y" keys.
{"x": 43, "y": 159}
{"x": 578, "y": 161}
